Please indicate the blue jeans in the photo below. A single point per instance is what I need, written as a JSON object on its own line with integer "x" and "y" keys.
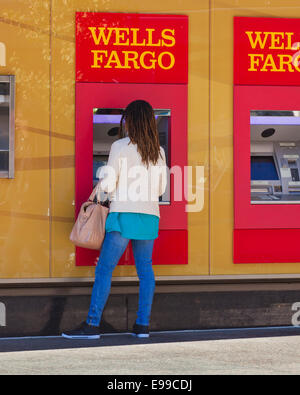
{"x": 112, "y": 249}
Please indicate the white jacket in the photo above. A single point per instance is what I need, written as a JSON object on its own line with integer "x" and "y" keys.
{"x": 132, "y": 187}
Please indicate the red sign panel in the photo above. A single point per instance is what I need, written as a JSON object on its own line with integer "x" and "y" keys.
{"x": 136, "y": 48}
{"x": 266, "y": 51}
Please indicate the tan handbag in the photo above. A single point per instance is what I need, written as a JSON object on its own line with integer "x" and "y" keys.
{"x": 89, "y": 228}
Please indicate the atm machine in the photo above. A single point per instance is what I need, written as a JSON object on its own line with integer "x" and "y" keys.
{"x": 275, "y": 157}
{"x": 266, "y": 174}
{"x": 106, "y": 123}
{"x": 7, "y": 125}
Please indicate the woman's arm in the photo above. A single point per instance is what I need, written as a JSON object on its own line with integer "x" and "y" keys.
{"x": 109, "y": 174}
{"x": 163, "y": 174}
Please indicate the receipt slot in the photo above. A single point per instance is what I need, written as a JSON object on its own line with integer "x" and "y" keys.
{"x": 266, "y": 174}
{"x": 99, "y": 108}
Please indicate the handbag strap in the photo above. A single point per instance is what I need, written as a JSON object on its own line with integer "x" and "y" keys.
{"x": 93, "y": 195}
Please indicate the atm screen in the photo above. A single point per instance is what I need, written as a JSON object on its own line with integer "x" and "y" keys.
{"x": 106, "y": 122}
{"x": 263, "y": 168}
{"x": 106, "y": 125}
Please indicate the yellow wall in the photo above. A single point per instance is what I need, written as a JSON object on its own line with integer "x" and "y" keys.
{"x": 37, "y": 207}
{"x": 221, "y": 134}
{"x": 24, "y": 201}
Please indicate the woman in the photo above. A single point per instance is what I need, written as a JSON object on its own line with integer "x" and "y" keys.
{"x": 134, "y": 177}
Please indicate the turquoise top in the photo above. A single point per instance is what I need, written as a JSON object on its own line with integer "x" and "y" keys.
{"x": 133, "y": 225}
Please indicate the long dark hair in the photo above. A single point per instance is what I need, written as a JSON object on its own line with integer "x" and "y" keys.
{"x": 142, "y": 130}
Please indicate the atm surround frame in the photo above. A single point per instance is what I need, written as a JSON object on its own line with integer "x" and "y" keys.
{"x": 173, "y": 233}
{"x": 262, "y": 233}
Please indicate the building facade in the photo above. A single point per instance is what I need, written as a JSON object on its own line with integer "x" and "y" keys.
{"x": 39, "y": 275}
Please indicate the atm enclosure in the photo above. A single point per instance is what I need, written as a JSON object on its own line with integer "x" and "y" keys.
{"x": 266, "y": 174}
{"x": 99, "y": 108}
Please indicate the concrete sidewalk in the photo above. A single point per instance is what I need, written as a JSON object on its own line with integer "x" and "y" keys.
{"x": 263, "y": 351}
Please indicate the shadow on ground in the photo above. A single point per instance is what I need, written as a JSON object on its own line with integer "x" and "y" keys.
{"x": 122, "y": 339}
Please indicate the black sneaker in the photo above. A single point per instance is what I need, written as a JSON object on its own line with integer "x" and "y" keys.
{"x": 140, "y": 330}
{"x": 84, "y": 331}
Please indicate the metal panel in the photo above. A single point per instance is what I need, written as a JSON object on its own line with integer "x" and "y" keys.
{"x": 11, "y": 128}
